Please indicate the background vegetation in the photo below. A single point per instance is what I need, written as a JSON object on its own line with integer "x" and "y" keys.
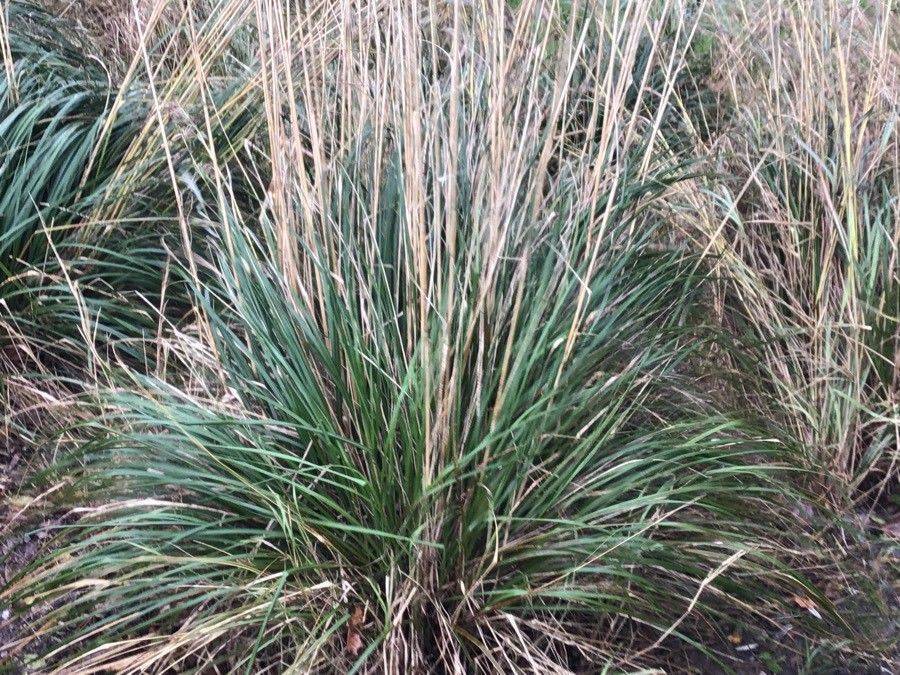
{"x": 385, "y": 336}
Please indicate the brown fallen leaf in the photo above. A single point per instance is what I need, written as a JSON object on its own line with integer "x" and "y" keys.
{"x": 354, "y": 640}
{"x": 356, "y": 618}
{"x": 806, "y": 603}
{"x": 354, "y": 643}
{"x": 735, "y": 638}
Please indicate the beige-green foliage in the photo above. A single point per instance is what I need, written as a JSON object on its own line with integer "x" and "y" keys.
{"x": 802, "y": 220}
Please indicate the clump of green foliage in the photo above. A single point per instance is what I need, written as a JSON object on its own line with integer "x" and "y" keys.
{"x": 421, "y": 339}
